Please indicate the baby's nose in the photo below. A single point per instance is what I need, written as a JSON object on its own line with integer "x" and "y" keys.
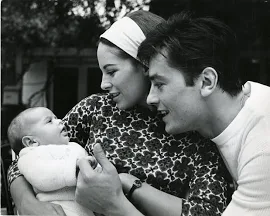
{"x": 59, "y": 121}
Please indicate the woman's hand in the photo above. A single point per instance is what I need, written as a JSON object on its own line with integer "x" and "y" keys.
{"x": 42, "y": 208}
{"x": 26, "y": 202}
{"x": 101, "y": 191}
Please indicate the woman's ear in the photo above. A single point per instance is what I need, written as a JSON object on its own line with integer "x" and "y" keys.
{"x": 28, "y": 141}
{"x": 209, "y": 78}
{"x": 143, "y": 68}
{"x": 146, "y": 72}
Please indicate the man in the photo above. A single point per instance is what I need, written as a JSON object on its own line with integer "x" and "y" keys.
{"x": 196, "y": 86}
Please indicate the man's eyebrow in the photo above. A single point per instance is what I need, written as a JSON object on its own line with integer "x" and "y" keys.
{"x": 107, "y": 65}
{"x": 155, "y": 77}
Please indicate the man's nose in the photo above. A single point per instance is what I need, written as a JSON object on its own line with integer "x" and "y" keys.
{"x": 152, "y": 98}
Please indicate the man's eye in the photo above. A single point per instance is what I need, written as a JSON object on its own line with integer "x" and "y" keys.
{"x": 158, "y": 85}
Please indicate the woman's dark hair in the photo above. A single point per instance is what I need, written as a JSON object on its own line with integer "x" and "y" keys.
{"x": 191, "y": 45}
{"x": 147, "y": 22}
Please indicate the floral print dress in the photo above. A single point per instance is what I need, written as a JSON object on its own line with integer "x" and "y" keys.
{"x": 186, "y": 165}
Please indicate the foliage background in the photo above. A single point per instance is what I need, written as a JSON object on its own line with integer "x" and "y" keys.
{"x": 78, "y": 23}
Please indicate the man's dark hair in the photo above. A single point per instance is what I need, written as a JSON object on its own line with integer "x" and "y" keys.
{"x": 191, "y": 45}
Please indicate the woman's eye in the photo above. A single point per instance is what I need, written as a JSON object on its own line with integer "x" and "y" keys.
{"x": 111, "y": 73}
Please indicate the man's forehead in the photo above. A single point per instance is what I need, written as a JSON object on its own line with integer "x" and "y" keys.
{"x": 160, "y": 55}
{"x": 156, "y": 65}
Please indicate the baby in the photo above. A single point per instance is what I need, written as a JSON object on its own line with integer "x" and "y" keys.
{"x": 46, "y": 157}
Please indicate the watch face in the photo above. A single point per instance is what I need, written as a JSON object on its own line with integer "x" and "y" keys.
{"x": 137, "y": 183}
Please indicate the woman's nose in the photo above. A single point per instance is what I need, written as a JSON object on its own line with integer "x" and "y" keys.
{"x": 105, "y": 85}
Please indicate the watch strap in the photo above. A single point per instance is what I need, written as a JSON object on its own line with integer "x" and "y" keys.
{"x": 136, "y": 184}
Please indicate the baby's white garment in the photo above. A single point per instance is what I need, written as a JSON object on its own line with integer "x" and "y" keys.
{"x": 51, "y": 170}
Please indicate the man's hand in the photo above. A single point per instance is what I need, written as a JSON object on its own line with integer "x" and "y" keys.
{"x": 101, "y": 191}
{"x": 127, "y": 181}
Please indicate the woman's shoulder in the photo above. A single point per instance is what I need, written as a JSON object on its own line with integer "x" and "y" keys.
{"x": 96, "y": 97}
{"x": 91, "y": 103}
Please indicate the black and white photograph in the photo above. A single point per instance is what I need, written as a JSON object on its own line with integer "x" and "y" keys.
{"x": 135, "y": 107}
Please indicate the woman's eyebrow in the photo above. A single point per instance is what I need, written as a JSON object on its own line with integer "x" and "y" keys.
{"x": 108, "y": 65}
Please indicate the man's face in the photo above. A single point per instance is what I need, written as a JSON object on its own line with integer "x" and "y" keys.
{"x": 179, "y": 104}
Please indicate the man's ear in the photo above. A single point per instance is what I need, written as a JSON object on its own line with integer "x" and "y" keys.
{"x": 29, "y": 141}
{"x": 209, "y": 78}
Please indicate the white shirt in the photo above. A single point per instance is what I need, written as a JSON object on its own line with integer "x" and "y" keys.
{"x": 245, "y": 147}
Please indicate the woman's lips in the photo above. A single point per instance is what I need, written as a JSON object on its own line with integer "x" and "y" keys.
{"x": 114, "y": 95}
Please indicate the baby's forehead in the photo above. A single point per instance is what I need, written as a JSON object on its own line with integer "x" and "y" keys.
{"x": 36, "y": 114}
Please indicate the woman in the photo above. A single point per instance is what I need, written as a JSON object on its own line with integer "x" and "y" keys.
{"x": 187, "y": 168}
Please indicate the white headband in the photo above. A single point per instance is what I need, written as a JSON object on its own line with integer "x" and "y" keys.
{"x": 125, "y": 34}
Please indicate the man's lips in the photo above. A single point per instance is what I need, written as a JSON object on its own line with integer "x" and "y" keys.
{"x": 163, "y": 113}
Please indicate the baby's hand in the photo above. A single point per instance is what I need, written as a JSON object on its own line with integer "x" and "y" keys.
{"x": 92, "y": 161}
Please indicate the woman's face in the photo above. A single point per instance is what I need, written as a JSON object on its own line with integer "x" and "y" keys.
{"x": 122, "y": 77}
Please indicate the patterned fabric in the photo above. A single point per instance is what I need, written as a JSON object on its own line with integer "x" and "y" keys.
{"x": 187, "y": 166}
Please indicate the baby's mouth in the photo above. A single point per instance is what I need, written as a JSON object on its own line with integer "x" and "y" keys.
{"x": 64, "y": 131}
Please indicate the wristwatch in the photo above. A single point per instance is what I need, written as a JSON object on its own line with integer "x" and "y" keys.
{"x": 136, "y": 184}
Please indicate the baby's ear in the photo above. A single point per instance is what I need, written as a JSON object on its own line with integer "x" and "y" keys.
{"x": 28, "y": 141}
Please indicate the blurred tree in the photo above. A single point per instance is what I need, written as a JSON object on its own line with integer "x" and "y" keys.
{"x": 248, "y": 18}
{"x": 60, "y": 23}
{"x": 55, "y": 23}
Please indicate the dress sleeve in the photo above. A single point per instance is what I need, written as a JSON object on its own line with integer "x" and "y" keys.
{"x": 208, "y": 187}
{"x": 13, "y": 172}
{"x": 79, "y": 119}
{"x": 51, "y": 167}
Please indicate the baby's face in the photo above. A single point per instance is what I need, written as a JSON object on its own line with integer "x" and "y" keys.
{"x": 46, "y": 128}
